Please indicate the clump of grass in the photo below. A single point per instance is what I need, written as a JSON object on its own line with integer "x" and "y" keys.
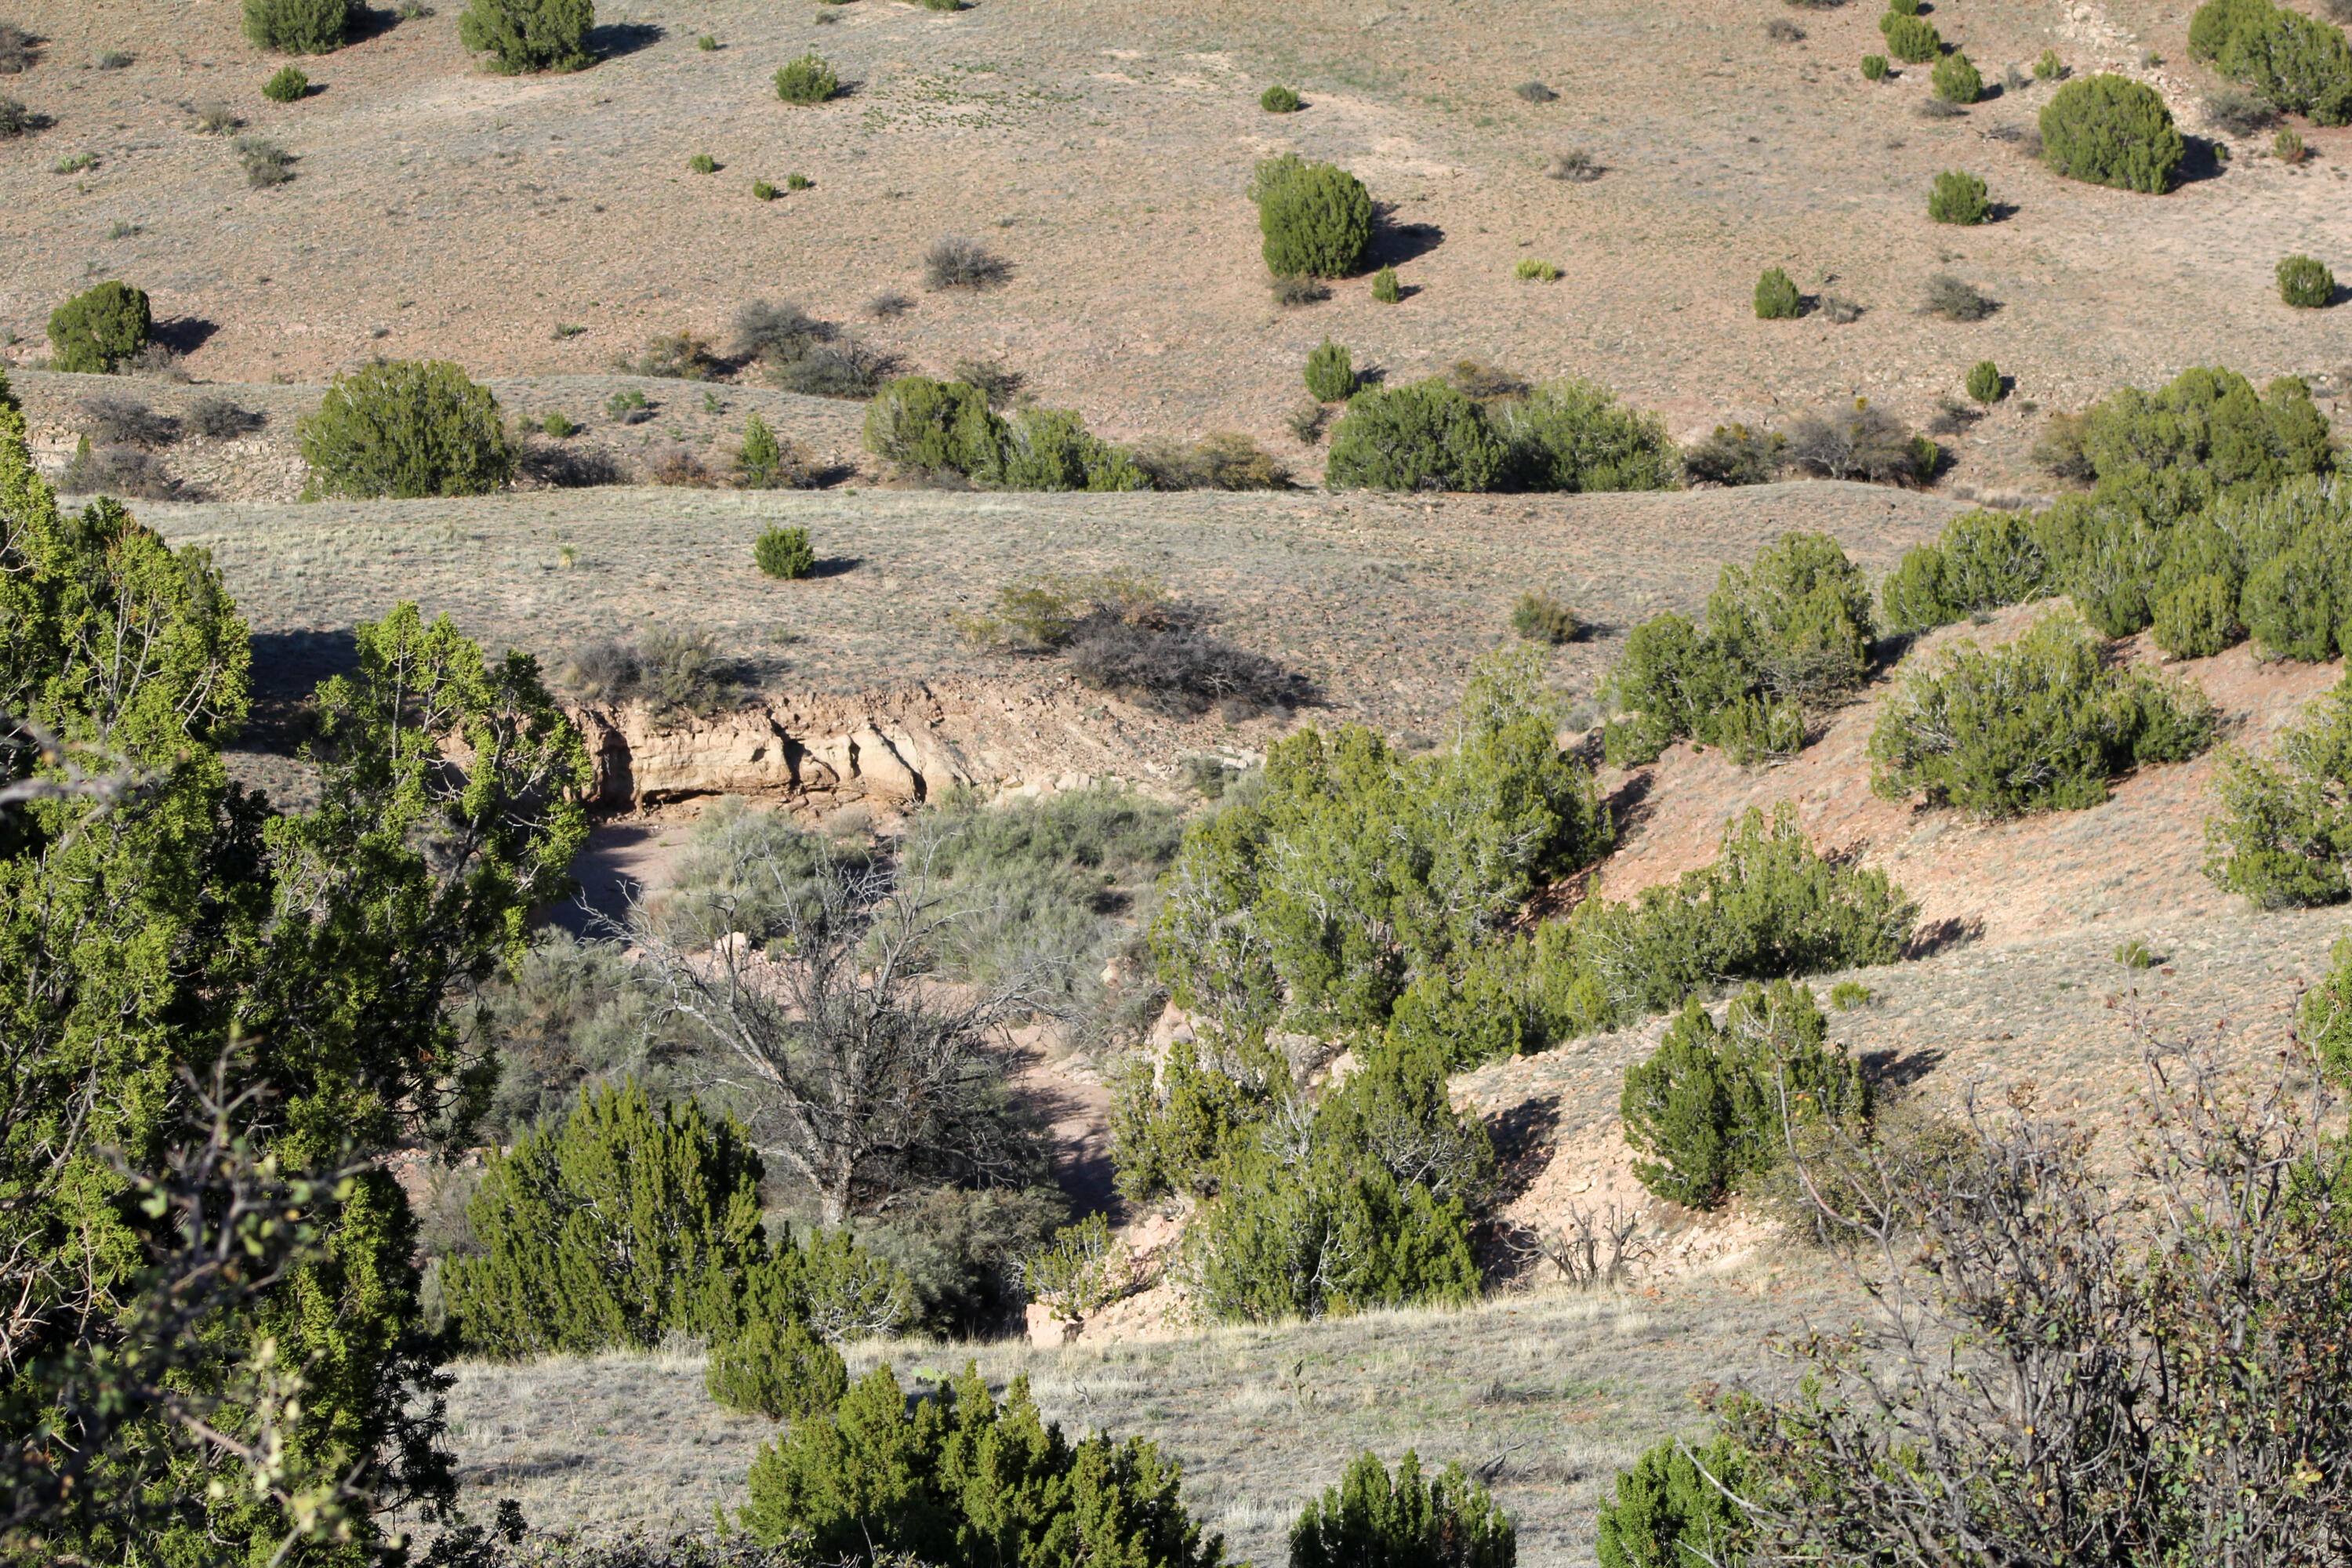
{"x": 1530, "y": 270}
{"x": 74, "y": 163}
{"x": 1280, "y": 100}
{"x": 1297, "y": 289}
{"x": 764, "y": 192}
{"x": 707, "y": 44}
{"x": 798, "y": 182}
{"x": 1539, "y": 617}
{"x": 1781, "y": 31}
{"x": 1575, "y": 164}
{"x": 703, "y": 164}
{"x": 888, "y": 304}
{"x": 266, "y": 162}
{"x": 956, "y": 262}
{"x": 213, "y": 119}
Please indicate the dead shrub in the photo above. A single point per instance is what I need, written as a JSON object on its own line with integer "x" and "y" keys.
{"x": 1954, "y": 300}
{"x": 112, "y": 419}
{"x": 2236, "y": 112}
{"x": 1178, "y": 671}
{"x": 888, "y": 304}
{"x": 681, "y": 466}
{"x": 1485, "y": 383}
{"x": 673, "y": 356}
{"x": 1297, "y": 289}
{"x": 777, "y": 334}
{"x": 216, "y": 418}
{"x": 19, "y": 51}
{"x": 129, "y": 472}
{"x": 1575, "y": 164}
{"x": 1860, "y": 441}
{"x": 569, "y": 467}
{"x": 842, "y": 368}
{"x": 1225, "y": 461}
{"x": 669, "y": 670}
{"x": 956, "y": 262}
{"x": 997, "y": 381}
{"x": 1781, "y": 31}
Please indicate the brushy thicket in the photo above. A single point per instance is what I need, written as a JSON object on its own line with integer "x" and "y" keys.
{"x": 2039, "y": 724}
{"x": 1317, "y": 218}
{"x": 1784, "y": 635}
{"x": 2297, "y": 63}
{"x": 407, "y": 428}
{"x": 300, "y": 27}
{"x": 530, "y": 35}
{"x": 1707, "y": 1106}
{"x": 2283, "y": 835}
{"x": 947, "y": 427}
{"x": 959, "y": 1478}
{"x": 2212, "y": 517}
{"x": 1373, "y": 1520}
{"x": 618, "y": 1223}
{"x": 99, "y": 330}
{"x": 2111, "y": 130}
{"x": 1567, "y": 435}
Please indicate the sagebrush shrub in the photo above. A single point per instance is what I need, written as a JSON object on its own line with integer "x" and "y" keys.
{"x": 217, "y": 418}
{"x": 286, "y": 85}
{"x": 1317, "y": 218}
{"x": 528, "y": 35}
{"x": 955, "y": 262}
{"x": 1957, "y": 79}
{"x": 266, "y": 162}
{"x": 1735, "y": 455}
{"x": 808, "y": 79}
{"x": 2040, "y": 724}
{"x": 1776, "y": 297}
{"x": 1221, "y": 461}
{"x": 1279, "y": 99}
{"x": 1706, "y": 1105}
{"x": 2305, "y": 283}
{"x": 1861, "y": 441}
{"x": 2111, "y": 130}
{"x": 2238, "y": 113}
{"x": 1911, "y": 39}
{"x": 298, "y": 27}
{"x": 1370, "y": 1520}
{"x": 19, "y": 51}
{"x": 1676, "y": 1506}
{"x": 16, "y": 119}
{"x": 99, "y": 330}
{"x": 1958, "y": 199}
{"x": 958, "y": 1477}
{"x": 407, "y": 428}
{"x": 1330, "y": 372}
{"x": 1954, "y": 300}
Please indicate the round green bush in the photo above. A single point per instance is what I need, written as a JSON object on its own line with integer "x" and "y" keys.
{"x": 1317, "y": 218}
{"x": 1984, "y": 383}
{"x": 784, "y": 552}
{"x": 98, "y": 329}
{"x": 2305, "y": 282}
{"x": 1911, "y": 39}
{"x": 1776, "y": 298}
{"x": 528, "y": 35}
{"x": 1958, "y": 199}
{"x": 1957, "y": 78}
{"x": 777, "y": 1371}
{"x": 1873, "y": 68}
{"x": 1421, "y": 437}
{"x": 2111, "y": 131}
{"x": 287, "y": 87}
{"x": 807, "y": 79}
{"x": 702, "y": 163}
{"x": 298, "y": 27}
{"x": 2197, "y": 619}
{"x": 1386, "y": 289}
{"x": 763, "y": 191}
{"x": 1330, "y": 372}
{"x": 1280, "y": 100}
{"x": 407, "y": 428}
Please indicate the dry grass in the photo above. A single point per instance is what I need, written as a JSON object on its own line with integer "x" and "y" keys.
{"x": 1554, "y": 1389}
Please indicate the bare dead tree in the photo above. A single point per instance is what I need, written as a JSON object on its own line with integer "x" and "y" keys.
{"x": 817, "y": 985}
{"x": 2067, "y": 1369}
{"x": 1590, "y": 1248}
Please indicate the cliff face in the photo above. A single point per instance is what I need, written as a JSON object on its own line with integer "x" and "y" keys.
{"x": 893, "y": 748}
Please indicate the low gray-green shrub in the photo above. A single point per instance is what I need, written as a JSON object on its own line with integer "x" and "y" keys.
{"x": 1539, "y": 617}
{"x": 1710, "y": 1107}
{"x": 955, "y": 262}
{"x": 2042, "y": 723}
{"x": 1735, "y": 455}
{"x": 407, "y": 428}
